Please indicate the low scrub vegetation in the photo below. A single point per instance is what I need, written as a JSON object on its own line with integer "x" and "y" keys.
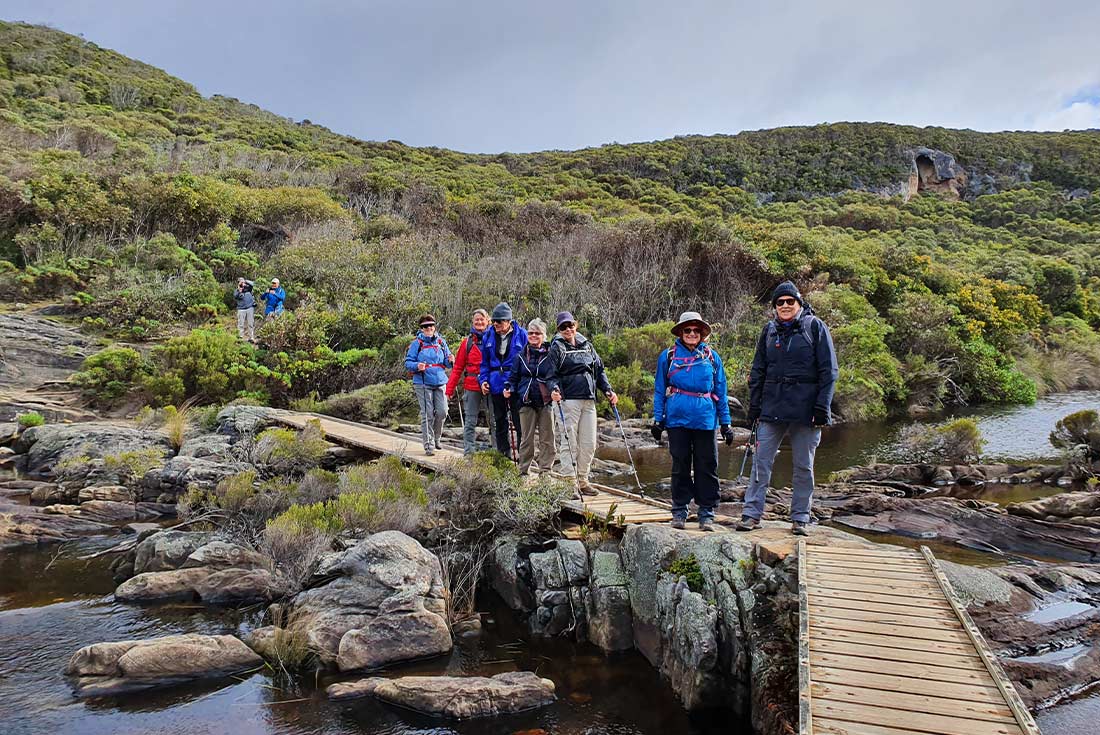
{"x": 955, "y": 442}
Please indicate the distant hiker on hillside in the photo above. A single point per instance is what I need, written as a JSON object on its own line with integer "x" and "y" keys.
{"x": 498, "y": 350}
{"x": 790, "y": 394}
{"x": 529, "y": 379}
{"x": 246, "y": 310}
{"x": 578, "y": 374}
{"x": 427, "y": 360}
{"x": 273, "y": 299}
{"x": 689, "y": 402}
{"x": 467, "y": 368}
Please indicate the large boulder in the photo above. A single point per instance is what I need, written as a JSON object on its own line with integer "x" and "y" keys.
{"x": 458, "y": 697}
{"x": 1083, "y": 507}
{"x": 217, "y": 573}
{"x": 115, "y": 668}
{"x": 238, "y": 421}
{"x": 167, "y": 550}
{"x": 181, "y": 473}
{"x": 379, "y": 602}
{"x": 23, "y": 525}
{"x": 50, "y": 444}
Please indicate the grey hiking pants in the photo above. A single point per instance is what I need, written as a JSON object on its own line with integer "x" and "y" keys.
{"x": 804, "y": 441}
{"x": 433, "y": 411}
{"x": 532, "y": 420}
{"x": 473, "y": 402}
{"x": 246, "y": 323}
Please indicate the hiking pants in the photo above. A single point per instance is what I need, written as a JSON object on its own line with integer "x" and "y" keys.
{"x": 539, "y": 420}
{"x": 804, "y": 441}
{"x": 502, "y": 407}
{"x": 694, "y": 449}
{"x": 433, "y": 411}
{"x": 473, "y": 402}
{"x": 246, "y": 323}
{"x": 580, "y": 430}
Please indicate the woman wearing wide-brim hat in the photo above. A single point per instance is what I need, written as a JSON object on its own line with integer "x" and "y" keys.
{"x": 689, "y": 402}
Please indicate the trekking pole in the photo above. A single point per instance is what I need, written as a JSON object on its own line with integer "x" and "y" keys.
{"x": 741, "y": 479}
{"x": 512, "y": 433}
{"x": 626, "y": 444}
{"x": 568, "y": 446}
{"x": 461, "y": 418}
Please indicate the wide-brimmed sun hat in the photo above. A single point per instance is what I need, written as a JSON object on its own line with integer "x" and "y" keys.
{"x": 691, "y": 317}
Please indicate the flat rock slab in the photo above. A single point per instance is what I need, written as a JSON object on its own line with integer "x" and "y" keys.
{"x": 457, "y": 697}
{"x": 104, "y": 669}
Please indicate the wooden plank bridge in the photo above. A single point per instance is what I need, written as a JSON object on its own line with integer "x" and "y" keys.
{"x": 885, "y": 648}
{"x": 629, "y": 508}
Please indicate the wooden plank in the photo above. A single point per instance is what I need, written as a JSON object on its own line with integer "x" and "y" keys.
{"x": 1023, "y": 717}
{"x": 897, "y": 642}
{"x": 888, "y": 590}
{"x": 869, "y": 562}
{"x": 929, "y": 603}
{"x": 828, "y": 579}
{"x": 951, "y": 634}
{"x": 996, "y": 711}
{"x": 911, "y": 669}
{"x": 902, "y": 573}
{"x": 823, "y": 602}
{"x": 805, "y": 692}
{"x": 827, "y": 726}
{"x": 919, "y": 721}
{"x": 897, "y": 619}
{"x": 849, "y": 647}
{"x": 970, "y": 692}
{"x": 874, "y": 557}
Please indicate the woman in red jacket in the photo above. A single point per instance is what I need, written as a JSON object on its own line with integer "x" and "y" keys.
{"x": 467, "y": 364}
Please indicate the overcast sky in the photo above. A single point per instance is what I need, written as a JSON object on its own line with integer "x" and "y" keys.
{"x": 518, "y": 75}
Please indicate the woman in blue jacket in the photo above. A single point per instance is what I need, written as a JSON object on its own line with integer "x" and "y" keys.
{"x": 689, "y": 402}
{"x": 427, "y": 360}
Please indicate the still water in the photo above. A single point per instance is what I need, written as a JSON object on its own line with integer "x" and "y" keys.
{"x": 47, "y": 614}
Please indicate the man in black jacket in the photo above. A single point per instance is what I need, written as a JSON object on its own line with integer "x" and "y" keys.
{"x": 791, "y": 386}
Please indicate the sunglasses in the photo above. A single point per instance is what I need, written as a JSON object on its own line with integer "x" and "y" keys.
{"x": 786, "y": 302}
{"x": 566, "y": 327}
{"x": 691, "y": 330}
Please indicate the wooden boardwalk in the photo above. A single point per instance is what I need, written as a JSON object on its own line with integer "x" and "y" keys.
{"x": 886, "y": 649}
{"x": 629, "y": 507}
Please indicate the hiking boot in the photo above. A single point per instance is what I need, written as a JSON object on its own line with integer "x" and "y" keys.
{"x": 706, "y": 524}
{"x": 800, "y": 528}
{"x": 585, "y": 489}
{"x": 429, "y": 451}
{"x": 678, "y": 523}
{"x": 748, "y": 524}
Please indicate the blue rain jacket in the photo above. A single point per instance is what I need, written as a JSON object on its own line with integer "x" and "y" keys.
{"x": 694, "y": 394}
{"x": 433, "y": 351}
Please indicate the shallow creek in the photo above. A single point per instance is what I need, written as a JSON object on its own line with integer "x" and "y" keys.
{"x": 50, "y": 607}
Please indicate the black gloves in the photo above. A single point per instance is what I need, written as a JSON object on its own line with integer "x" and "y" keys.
{"x": 727, "y": 434}
{"x": 656, "y": 430}
{"x": 821, "y": 417}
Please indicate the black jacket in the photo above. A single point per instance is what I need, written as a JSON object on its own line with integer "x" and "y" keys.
{"x": 578, "y": 370}
{"x": 794, "y": 370}
{"x": 531, "y": 368}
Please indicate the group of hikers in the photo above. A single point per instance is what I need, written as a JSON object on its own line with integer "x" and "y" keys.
{"x": 246, "y": 302}
{"x": 535, "y": 387}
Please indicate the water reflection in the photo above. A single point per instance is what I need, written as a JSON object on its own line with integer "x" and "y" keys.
{"x": 46, "y": 614}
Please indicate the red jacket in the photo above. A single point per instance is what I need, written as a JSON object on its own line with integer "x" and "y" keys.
{"x": 468, "y": 362}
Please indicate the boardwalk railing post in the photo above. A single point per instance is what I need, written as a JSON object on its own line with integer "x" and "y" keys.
{"x": 1012, "y": 697}
{"x": 805, "y": 711}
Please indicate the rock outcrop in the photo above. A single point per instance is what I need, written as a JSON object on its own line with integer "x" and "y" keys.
{"x": 81, "y": 444}
{"x": 379, "y": 602}
{"x": 1083, "y": 508}
{"x": 938, "y": 172}
{"x": 23, "y": 525}
{"x": 116, "y": 668}
{"x": 457, "y": 697}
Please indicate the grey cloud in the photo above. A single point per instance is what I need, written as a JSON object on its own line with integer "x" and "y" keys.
{"x": 501, "y": 75}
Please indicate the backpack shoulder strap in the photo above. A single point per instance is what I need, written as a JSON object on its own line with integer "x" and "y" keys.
{"x": 668, "y": 362}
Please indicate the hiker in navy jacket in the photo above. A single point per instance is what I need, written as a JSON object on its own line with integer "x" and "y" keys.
{"x": 498, "y": 349}
{"x": 689, "y": 402}
{"x": 428, "y": 359}
{"x": 529, "y": 379}
{"x": 791, "y": 387}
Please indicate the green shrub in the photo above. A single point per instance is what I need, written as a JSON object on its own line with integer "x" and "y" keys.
{"x": 955, "y": 442}
{"x": 287, "y": 450}
{"x": 530, "y": 508}
{"x": 688, "y": 568}
{"x": 29, "y": 419}
{"x": 131, "y": 466}
{"x": 1079, "y": 429}
{"x": 634, "y": 385}
{"x": 386, "y": 403}
{"x": 111, "y": 374}
{"x": 209, "y": 366}
{"x": 233, "y": 493}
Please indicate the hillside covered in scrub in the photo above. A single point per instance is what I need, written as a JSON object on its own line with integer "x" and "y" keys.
{"x": 135, "y": 202}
